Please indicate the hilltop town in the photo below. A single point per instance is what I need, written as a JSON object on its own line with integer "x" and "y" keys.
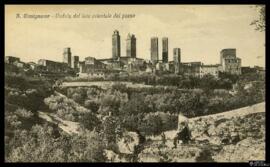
{"x": 92, "y": 67}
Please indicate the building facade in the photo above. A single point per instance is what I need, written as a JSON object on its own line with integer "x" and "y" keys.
{"x": 113, "y": 64}
{"x": 67, "y": 56}
{"x": 52, "y": 66}
{"x": 32, "y": 65}
{"x": 209, "y": 70}
{"x": 154, "y": 49}
{"x": 116, "y": 45}
{"x": 191, "y": 69}
{"x": 131, "y": 46}
{"x": 246, "y": 70}
{"x": 159, "y": 66}
{"x": 91, "y": 65}
{"x": 165, "y": 52}
{"x": 229, "y": 62}
{"x": 96, "y": 74}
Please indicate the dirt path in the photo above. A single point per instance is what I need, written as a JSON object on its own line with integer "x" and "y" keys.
{"x": 103, "y": 84}
{"x": 256, "y": 108}
{"x": 67, "y": 126}
{"x": 108, "y": 84}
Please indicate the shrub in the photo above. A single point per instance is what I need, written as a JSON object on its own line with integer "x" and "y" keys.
{"x": 89, "y": 121}
{"x": 24, "y": 113}
{"x": 41, "y": 145}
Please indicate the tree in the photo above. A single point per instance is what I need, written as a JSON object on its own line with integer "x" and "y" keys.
{"x": 92, "y": 105}
{"x": 208, "y": 83}
{"x": 111, "y": 129}
{"x": 134, "y": 106}
{"x": 110, "y": 101}
{"x": 86, "y": 147}
{"x": 37, "y": 145}
{"x": 151, "y": 125}
{"x": 89, "y": 120}
{"x": 260, "y": 22}
{"x": 41, "y": 144}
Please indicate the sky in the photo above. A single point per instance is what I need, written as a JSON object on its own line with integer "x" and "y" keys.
{"x": 201, "y": 31}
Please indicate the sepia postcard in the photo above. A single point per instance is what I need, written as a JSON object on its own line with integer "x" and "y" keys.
{"x": 135, "y": 83}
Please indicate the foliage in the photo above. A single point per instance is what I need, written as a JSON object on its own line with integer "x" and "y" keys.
{"x": 134, "y": 105}
{"x": 260, "y": 22}
{"x": 89, "y": 121}
{"x": 41, "y": 144}
{"x": 151, "y": 125}
{"x": 65, "y": 108}
{"x": 179, "y": 81}
{"x": 86, "y": 147}
{"x": 27, "y": 92}
{"x": 110, "y": 101}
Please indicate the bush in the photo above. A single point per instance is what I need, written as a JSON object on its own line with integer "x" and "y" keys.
{"x": 41, "y": 145}
{"x": 65, "y": 108}
{"x": 92, "y": 105}
{"x": 89, "y": 121}
{"x": 151, "y": 125}
{"x": 24, "y": 113}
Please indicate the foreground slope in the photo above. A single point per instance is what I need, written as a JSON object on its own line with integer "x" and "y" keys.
{"x": 233, "y": 136}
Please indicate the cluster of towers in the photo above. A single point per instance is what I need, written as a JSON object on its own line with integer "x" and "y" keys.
{"x": 72, "y": 61}
{"x": 131, "y": 48}
{"x": 229, "y": 61}
{"x": 165, "y": 51}
{"x": 130, "y": 45}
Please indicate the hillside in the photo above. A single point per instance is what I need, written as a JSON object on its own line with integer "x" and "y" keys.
{"x": 240, "y": 112}
{"x": 221, "y": 137}
{"x": 233, "y": 136}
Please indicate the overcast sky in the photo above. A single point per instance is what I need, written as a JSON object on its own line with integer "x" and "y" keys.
{"x": 201, "y": 31}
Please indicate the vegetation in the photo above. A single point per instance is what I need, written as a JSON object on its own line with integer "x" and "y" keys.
{"x": 105, "y": 114}
{"x": 44, "y": 143}
{"x": 143, "y": 109}
{"x": 29, "y": 139}
{"x": 260, "y": 22}
{"x": 183, "y": 82}
{"x": 65, "y": 108}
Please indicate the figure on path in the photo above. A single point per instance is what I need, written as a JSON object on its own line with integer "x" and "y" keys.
{"x": 183, "y": 132}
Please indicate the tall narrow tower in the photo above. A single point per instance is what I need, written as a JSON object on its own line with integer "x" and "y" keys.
{"x": 116, "y": 49}
{"x": 154, "y": 49}
{"x": 177, "y": 59}
{"x": 131, "y": 46}
{"x": 75, "y": 62}
{"x": 165, "y": 50}
{"x": 67, "y": 56}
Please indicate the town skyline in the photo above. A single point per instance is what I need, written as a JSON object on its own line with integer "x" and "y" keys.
{"x": 195, "y": 46}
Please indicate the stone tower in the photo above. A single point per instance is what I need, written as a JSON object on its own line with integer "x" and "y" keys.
{"x": 154, "y": 49}
{"x": 131, "y": 46}
{"x": 67, "y": 56}
{"x": 165, "y": 50}
{"x": 177, "y": 59}
{"x": 116, "y": 49}
{"x": 229, "y": 62}
{"x": 75, "y": 62}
